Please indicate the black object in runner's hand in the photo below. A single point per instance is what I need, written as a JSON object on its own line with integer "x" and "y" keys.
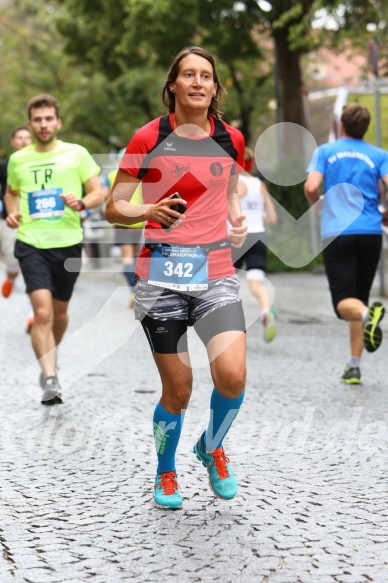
{"x": 179, "y": 208}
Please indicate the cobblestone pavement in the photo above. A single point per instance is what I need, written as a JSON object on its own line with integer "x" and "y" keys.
{"x": 310, "y": 454}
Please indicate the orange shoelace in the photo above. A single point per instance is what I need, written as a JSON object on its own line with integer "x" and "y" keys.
{"x": 168, "y": 483}
{"x": 220, "y": 460}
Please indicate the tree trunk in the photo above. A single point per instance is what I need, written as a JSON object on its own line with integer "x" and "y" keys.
{"x": 288, "y": 80}
{"x": 290, "y": 138}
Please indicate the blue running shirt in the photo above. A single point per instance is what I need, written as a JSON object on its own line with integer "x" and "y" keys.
{"x": 350, "y": 167}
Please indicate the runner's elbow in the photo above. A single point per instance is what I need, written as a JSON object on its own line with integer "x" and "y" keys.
{"x": 108, "y": 214}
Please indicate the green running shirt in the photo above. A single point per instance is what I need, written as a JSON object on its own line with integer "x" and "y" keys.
{"x": 40, "y": 177}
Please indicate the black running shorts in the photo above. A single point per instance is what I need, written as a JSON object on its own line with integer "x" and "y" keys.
{"x": 169, "y": 336}
{"x": 351, "y": 262}
{"x": 165, "y": 314}
{"x": 253, "y": 253}
{"x": 44, "y": 269}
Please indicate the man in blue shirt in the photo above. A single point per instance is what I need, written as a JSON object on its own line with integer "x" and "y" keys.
{"x": 351, "y": 228}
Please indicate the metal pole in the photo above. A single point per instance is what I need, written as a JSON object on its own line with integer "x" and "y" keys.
{"x": 378, "y": 144}
{"x": 374, "y": 64}
{"x": 378, "y": 117}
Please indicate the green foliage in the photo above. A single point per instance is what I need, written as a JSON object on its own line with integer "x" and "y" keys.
{"x": 133, "y": 46}
{"x": 26, "y": 64}
{"x": 292, "y": 198}
{"x": 107, "y": 63}
{"x": 359, "y": 21}
{"x": 289, "y": 169}
{"x": 352, "y": 16}
{"x": 98, "y": 113}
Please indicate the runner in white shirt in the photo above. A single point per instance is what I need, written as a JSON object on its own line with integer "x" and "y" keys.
{"x": 257, "y": 206}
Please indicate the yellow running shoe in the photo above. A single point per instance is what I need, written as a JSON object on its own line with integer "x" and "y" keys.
{"x": 372, "y": 333}
{"x": 269, "y": 323}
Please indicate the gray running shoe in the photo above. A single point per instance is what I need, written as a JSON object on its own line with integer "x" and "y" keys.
{"x": 352, "y": 376}
{"x": 52, "y": 392}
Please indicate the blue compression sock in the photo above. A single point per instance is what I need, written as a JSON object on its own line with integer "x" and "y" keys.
{"x": 222, "y": 414}
{"x": 167, "y": 431}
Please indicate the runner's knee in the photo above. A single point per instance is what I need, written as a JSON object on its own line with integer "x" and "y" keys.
{"x": 231, "y": 381}
{"x": 43, "y": 316}
{"x": 177, "y": 394}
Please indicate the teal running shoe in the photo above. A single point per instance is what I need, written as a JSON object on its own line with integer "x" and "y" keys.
{"x": 269, "y": 323}
{"x": 221, "y": 477}
{"x": 166, "y": 491}
{"x": 352, "y": 376}
{"x": 372, "y": 333}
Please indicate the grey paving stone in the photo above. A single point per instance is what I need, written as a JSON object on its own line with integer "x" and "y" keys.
{"x": 309, "y": 453}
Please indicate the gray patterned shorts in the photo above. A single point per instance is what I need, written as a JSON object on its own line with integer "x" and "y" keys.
{"x": 165, "y": 304}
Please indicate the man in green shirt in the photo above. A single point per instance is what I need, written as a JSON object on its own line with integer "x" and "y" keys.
{"x": 43, "y": 201}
